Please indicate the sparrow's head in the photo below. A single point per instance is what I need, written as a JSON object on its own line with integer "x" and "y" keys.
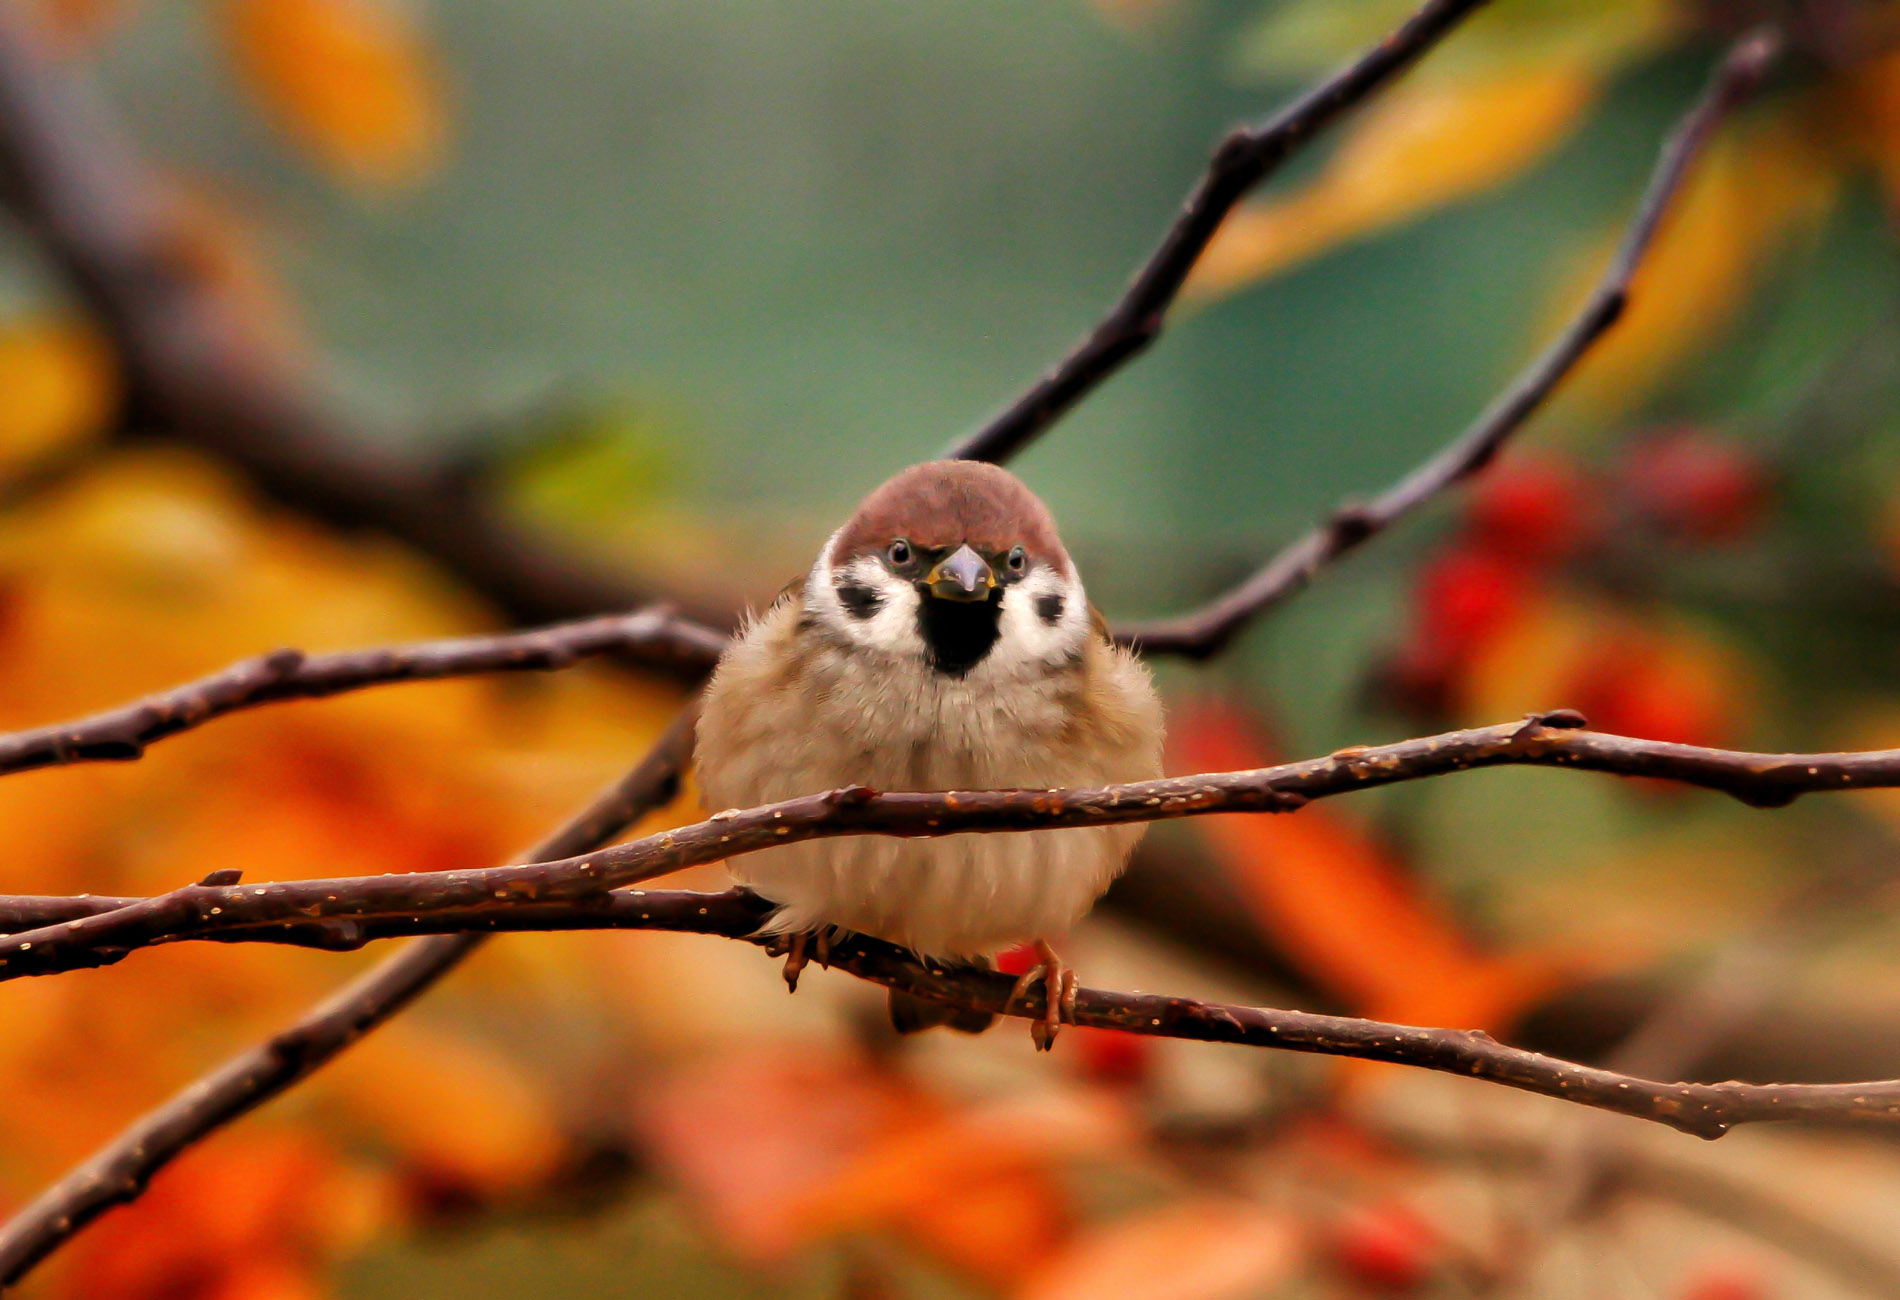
{"x": 954, "y": 563}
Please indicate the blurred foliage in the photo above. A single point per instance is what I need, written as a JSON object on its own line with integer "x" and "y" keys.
{"x": 796, "y": 246}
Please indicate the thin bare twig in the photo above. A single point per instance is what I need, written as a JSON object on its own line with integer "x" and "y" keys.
{"x": 654, "y": 635}
{"x": 119, "y": 1171}
{"x": 1207, "y": 631}
{"x": 1246, "y": 157}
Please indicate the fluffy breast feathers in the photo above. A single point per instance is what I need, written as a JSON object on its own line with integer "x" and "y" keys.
{"x": 807, "y": 699}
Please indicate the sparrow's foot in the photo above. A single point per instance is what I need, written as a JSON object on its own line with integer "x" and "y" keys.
{"x": 796, "y": 959}
{"x": 1059, "y": 987}
{"x": 806, "y": 947}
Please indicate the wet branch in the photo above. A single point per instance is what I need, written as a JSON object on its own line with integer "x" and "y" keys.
{"x": 219, "y": 906}
{"x": 1706, "y": 1110}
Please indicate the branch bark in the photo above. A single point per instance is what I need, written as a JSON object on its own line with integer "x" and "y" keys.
{"x": 655, "y": 636}
{"x": 119, "y": 1171}
{"x": 1245, "y": 158}
{"x": 1208, "y": 631}
{"x": 1547, "y": 740}
{"x": 1706, "y": 1110}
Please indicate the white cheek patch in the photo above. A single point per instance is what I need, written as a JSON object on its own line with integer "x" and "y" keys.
{"x": 1028, "y": 633}
{"x": 883, "y": 617}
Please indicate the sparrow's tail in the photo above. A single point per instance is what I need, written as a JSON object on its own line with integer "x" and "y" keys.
{"x": 913, "y": 1015}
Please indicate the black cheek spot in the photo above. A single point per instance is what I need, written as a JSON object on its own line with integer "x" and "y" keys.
{"x": 1049, "y": 608}
{"x": 859, "y": 600}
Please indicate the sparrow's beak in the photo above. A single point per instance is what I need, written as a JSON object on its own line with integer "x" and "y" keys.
{"x": 965, "y": 575}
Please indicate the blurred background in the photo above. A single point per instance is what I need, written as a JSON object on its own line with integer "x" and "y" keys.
{"x": 630, "y": 299}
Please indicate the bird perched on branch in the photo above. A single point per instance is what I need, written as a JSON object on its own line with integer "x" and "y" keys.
{"x": 942, "y": 641}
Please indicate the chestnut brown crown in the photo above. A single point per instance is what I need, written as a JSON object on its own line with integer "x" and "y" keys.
{"x": 947, "y": 503}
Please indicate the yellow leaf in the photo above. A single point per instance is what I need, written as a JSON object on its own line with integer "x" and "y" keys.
{"x": 1304, "y": 38}
{"x": 1426, "y": 144}
{"x": 58, "y": 387}
{"x": 348, "y": 79}
{"x": 1747, "y": 201}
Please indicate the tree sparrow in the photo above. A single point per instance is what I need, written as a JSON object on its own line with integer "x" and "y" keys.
{"x": 942, "y": 641}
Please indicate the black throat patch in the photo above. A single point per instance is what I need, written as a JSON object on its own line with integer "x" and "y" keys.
{"x": 959, "y": 633}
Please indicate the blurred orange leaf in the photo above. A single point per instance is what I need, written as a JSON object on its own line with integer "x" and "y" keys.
{"x": 251, "y": 1215}
{"x": 447, "y": 1105}
{"x": 975, "y": 1186}
{"x": 1197, "y": 1249}
{"x": 1339, "y": 907}
{"x": 752, "y": 1135}
{"x": 349, "y": 79}
{"x": 781, "y": 1146}
{"x": 1421, "y": 146}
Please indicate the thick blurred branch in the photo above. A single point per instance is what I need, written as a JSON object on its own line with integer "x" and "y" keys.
{"x": 1549, "y": 740}
{"x": 655, "y": 636}
{"x": 119, "y": 1171}
{"x": 1207, "y": 631}
{"x": 1245, "y": 158}
{"x": 194, "y": 373}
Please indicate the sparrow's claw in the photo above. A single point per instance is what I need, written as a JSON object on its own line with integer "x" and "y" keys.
{"x": 796, "y": 959}
{"x": 1059, "y": 987}
{"x": 821, "y": 941}
{"x": 806, "y": 947}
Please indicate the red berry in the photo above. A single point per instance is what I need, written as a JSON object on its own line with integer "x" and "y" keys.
{"x": 1696, "y": 485}
{"x": 1464, "y": 595}
{"x": 1531, "y": 509}
{"x": 1386, "y": 1246}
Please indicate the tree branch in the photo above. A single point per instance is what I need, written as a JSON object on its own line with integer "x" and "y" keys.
{"x": 655, "y": 636}
{"x": 1547, "y": 740}
{"x": 1246, "y": 157}
{"x": 193, "y": 372}
{"x": 1207, "y": 631}
{"x": 119, "y": 1171}
{"x": 1705, "y": 1110}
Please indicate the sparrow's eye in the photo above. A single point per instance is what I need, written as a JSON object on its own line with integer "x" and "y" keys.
{"x": 899, "y": 552}
{"x": 1018, "y": 559}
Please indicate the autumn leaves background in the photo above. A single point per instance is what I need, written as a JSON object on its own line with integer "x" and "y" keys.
{"x": 673, "y": 283}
